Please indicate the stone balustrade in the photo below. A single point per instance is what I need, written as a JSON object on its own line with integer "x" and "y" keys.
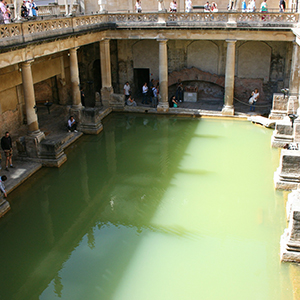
{"x": 16, "y": 33}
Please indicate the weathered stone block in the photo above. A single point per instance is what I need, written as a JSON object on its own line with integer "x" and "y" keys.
{"x": 117, "y": 101}
{"x": 279, "y": 107}
{"x": 90, "y": 121}
{"x": 290, "y": 240}
{"x": 105, "y": 95}
{"x": 287, "y": 176}
{"x": 283, "y": 133}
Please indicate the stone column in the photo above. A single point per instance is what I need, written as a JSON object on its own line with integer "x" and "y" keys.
{"x": 295, "y": 67}
{"x": 29, "y": 97}
{"x": 107, "y": 89}
{"x": 76, "y": 99}
{"x": 228, "y": 108}
{"x": 163, "y": 105}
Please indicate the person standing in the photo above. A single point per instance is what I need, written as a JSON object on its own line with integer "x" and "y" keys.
{"x": 188, "y": 6}
{"x": 138, "y": 6}
{"x": 281, "y": 6}
{"x": 154, "y": 98}
{"x": 6, "y": 145}
{"x": 173, "y": 6}
{"x": 126, "y": 90}
{"x": 2, "y": 187}
{"x": 145, "y": 93}
{"x": 2, "y": 11}
{"x": 82, "y": 96}
{"x": 254, "y": 97}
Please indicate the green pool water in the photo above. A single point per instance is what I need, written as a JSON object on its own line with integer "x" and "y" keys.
{"x": 152, "y": 208}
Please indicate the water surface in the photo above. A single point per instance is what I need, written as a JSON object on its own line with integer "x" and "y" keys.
{"x": 152, "y": 208}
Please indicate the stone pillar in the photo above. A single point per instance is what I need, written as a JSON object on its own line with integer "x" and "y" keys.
{"x": 228, "y": 108}
{"x": 107, "y": 89}
{"x": 163, "y": 105}
{"x": 76, "y": 99}
{"x": 29, "y": 97}
{"x": 295, "y": 68}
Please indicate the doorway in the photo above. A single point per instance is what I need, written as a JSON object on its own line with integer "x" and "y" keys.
{"x": 140, "y": 77}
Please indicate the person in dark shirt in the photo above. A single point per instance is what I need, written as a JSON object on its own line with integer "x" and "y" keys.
{"x": 6, "y": 145}
{"x": 281, "y": 6}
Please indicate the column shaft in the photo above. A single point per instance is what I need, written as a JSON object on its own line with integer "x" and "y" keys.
{"x": 76, "y": 99}
{"x": 163, "y": 71}
{"x": 294, "y": 78}
{"x": 32, "y": 120}
{"x": 105, "y": 63}
{"x": 229, "y": 78}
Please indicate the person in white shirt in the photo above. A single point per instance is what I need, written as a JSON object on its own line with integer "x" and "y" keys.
{"x": 173, "y": 6}
{"x": 254, "y": 97}
{"x": 72, "y": 124}
{"x": 145, "y": 93}
{"x": 127, "y": 90}
{"x": 138, "y": 6}
{"x": 188, "y": 5}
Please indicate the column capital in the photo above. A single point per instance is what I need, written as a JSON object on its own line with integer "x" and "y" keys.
{"x": 162, "y": 40}
{"x": 73, "y": 49}
{"x": 230, "y": 41}
{"x": 27, "y": 62}
{"x": 105, "y": 40}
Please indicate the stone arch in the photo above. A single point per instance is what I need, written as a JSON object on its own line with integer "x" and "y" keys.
{"x": 203, "y": 55}
{"x": 146, "y": 56}
{"x": 253, "y": 60}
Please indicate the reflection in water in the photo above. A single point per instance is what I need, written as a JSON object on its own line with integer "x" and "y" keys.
{"x": 145, "y": 202}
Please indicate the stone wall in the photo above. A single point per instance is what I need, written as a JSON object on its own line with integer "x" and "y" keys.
{"x": 261, "y": 65}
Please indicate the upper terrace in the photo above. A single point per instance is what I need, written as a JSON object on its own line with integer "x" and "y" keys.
{"x": 18, "y": 34}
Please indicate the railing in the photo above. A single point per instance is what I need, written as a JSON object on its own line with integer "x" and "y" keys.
{"x": 15, "y": 33}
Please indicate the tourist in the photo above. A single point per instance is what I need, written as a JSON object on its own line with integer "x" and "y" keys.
{"x": 2, "y": 186}
{"x": 130, "y": 101}
{"x": 126, "y": 90}
{"x": 214, "y": 7}
{"x": 252, "y": 7}
{"x": 263, "y": 6}
{"x": 34, "y": 9}
{"x": 179, "y": 91}
{"x": 207, "y": 7}
{"x": 244, "y": 6}
{"x": 2, "y": 12}
{"x": 254, "y": 97}
{"x": 82, "y": 96}
{"x": 281, "y": 6}
{"x": 138, "y": 6}
{"x": 173, "y": 6}
{"x": 0, "y": 161}
{"x": 72, "y": 125}
{"x": 145, "y": 93}
{"x": 29, "y": 8}
{"x": 173, "y": 102}
{"x": 188, "y": 6}
{"x": 154, "y": 98}
{"x": 24, "y": 11}
{"x": 6, "y": 145}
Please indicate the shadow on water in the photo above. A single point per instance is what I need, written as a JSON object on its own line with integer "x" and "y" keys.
{"x": 110, "y": 182}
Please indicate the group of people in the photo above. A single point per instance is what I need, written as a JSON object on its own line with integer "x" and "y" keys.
{"x": 150, "y": 92}
{"x": 210, "y": 8}
{"x": 5, "y": 14}
{"x": 29, "y": 9}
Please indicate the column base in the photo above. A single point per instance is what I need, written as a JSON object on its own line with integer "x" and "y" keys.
{"x": 163, "y": 107}
{"x": 90, "y": 121}
{"x": 105, "y": 95}
{"x": 228, "y": 110}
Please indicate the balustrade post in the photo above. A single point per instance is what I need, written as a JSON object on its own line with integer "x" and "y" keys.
{"x": 228, "y": 108}
{"x": 163, "y": 76}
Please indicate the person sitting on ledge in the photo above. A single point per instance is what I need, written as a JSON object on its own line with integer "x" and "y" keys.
{"x": 72, "y": 124}
{"x": 2, "y": 187}
{"x": 173, "y": 102}
{"x": 131, "y": 102}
